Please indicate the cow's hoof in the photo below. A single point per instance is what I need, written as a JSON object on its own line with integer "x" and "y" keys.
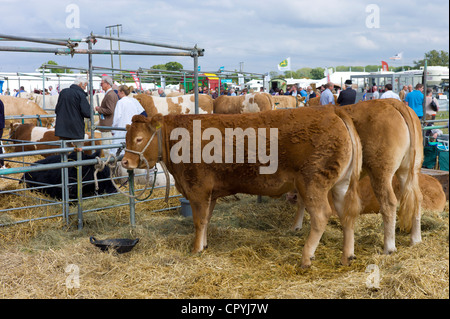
{"x": 347, "y": 261}
{"x": 390, "y": 251}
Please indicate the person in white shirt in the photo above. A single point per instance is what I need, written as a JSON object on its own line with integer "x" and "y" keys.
{"x": 375, "y": 94}
{"x": 52, "y": 90}
{"x": 389, "y": 94}
{"x": 125, "y": 109}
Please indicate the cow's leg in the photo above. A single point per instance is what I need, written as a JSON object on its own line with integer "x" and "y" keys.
{"x": 347, "y": 223}
{"x": 201, "y": 216}
{"x": 212, "y": 204}
{"x": 298, "y": 221}
{"x": 402, "y": 176}
{"x": 319, "y": 210}
{"x": 382, "y": 187}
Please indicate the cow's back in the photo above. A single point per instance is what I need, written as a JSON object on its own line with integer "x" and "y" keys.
{"x": 15, "y": 106}
{"x": 310, "y": 141}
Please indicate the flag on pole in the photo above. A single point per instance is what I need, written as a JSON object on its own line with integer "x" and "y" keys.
{"x": 136, "y": 79}
{"x": 327, "y": 73}
{"x": 285, "y": 65}
{"x": 384, "y": 66}
{"x": 397, "y": 56}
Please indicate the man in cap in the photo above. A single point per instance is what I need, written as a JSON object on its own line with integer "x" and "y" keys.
{"x": 71, "y": 110}
{"x": 347, "y": 96}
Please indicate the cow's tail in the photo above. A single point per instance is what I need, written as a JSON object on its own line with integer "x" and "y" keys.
{"x": 411, "y": 196}
{"x": 352, "y": 201}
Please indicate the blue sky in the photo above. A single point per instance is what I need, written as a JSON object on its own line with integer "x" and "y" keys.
{"x": 258, "y": 33}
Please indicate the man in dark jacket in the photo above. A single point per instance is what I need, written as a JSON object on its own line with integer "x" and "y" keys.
{"x": 71, "y": 109}
{"x": 347, "y": 96}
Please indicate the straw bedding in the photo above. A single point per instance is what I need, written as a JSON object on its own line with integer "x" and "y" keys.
{"x": 251, "y": 254}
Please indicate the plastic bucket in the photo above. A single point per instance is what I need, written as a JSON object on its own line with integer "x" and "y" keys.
{"x": 186, "y": 209}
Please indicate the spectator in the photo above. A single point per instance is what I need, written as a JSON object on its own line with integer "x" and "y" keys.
{"x": 106, "y": 109}
{"x": 161, "y": 92}
{"x": 232, "y": 92}
{"x": 430, "y": 114}
{"x": 21, "y": 90}
{"x": 292, "y": 91}
{"x": 311, "y": 93}
{"x": 52, "y": 90}
{"x": 214, "y": 94}
{"x": 327, "y": 97}
{"x": 375, "y": 94}
{"x": 125, "y": 109}
{"x": 347, "y": 96}
{"x": 389, "y": 94}
{"x": 414, "y": 100}
{"x": 303, "y": 93}
{"x": 402, "y": 93}
{"x": 2, "y": 126}
{"x": 71, "y": 109}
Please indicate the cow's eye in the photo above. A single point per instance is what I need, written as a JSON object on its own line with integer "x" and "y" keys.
{"x": 139, "y": 139}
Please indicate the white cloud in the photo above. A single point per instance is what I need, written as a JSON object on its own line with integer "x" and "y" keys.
{"x": 258, "y": 33}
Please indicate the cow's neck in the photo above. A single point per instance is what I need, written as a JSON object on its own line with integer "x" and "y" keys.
{"x": 163, "y": 143}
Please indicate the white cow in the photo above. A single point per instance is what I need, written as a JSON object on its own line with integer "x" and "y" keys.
{"x": 184, "y": 104}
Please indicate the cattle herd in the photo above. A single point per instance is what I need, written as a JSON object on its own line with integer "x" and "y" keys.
{"x": 344, "y": 160}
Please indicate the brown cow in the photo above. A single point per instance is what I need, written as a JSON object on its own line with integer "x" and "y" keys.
{"x": 391, "y": 137}
{"x": 284, "y": 101}
{"x": 184, "y": 104}
{"x": 15, "y": 106}
{"x": 32, "y": 133}
{"x": 316, "y": 101}
{"x": 433, "y": 196}
{"x": 248, "y": 103}
{"x": 316, "y": 151}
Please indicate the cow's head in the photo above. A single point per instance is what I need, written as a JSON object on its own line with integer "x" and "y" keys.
{"x": 142, "y": 140}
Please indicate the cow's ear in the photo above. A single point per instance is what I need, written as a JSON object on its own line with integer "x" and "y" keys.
{"x": 156, "y": 120}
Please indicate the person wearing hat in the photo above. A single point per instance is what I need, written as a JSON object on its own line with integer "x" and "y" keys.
{"x": 347, "y": 96}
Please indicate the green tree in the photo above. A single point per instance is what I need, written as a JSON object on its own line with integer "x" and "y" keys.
{"x": 372, "y": 68}
{"x": 55, "y": 70}
{"x": 433, "y": 57}
{"x": 317, "y": 73}
{"x": 169, "y": 66}
{"x": 173, "y": 66}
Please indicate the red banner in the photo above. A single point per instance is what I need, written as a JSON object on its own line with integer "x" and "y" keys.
{"x": 137, "y": 81}
{"x": 384, "y": 66}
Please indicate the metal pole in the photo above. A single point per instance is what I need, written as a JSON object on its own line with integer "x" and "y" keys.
{"x": 424, "y": 102}
{"x": 200, "y": 51}
{"x": 80, "y": 190}
{"x": 46, "y": 41}
{"x": 91, "y": 91}
{"x": 85, "y": 51}
{"x": 64, "y": 186}
{"x": 43, "y": 88}
{"x": 118, "y": 43}
{"x": 132, "y": 200}
{"x": 195, "y": 55}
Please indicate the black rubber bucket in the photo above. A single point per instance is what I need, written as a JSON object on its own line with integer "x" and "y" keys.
{"x": 120, "y": 245}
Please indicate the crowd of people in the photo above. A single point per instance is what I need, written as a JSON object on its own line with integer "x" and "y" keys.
{"x": 115, "y": 110}
{"x": 413, "y": 97}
